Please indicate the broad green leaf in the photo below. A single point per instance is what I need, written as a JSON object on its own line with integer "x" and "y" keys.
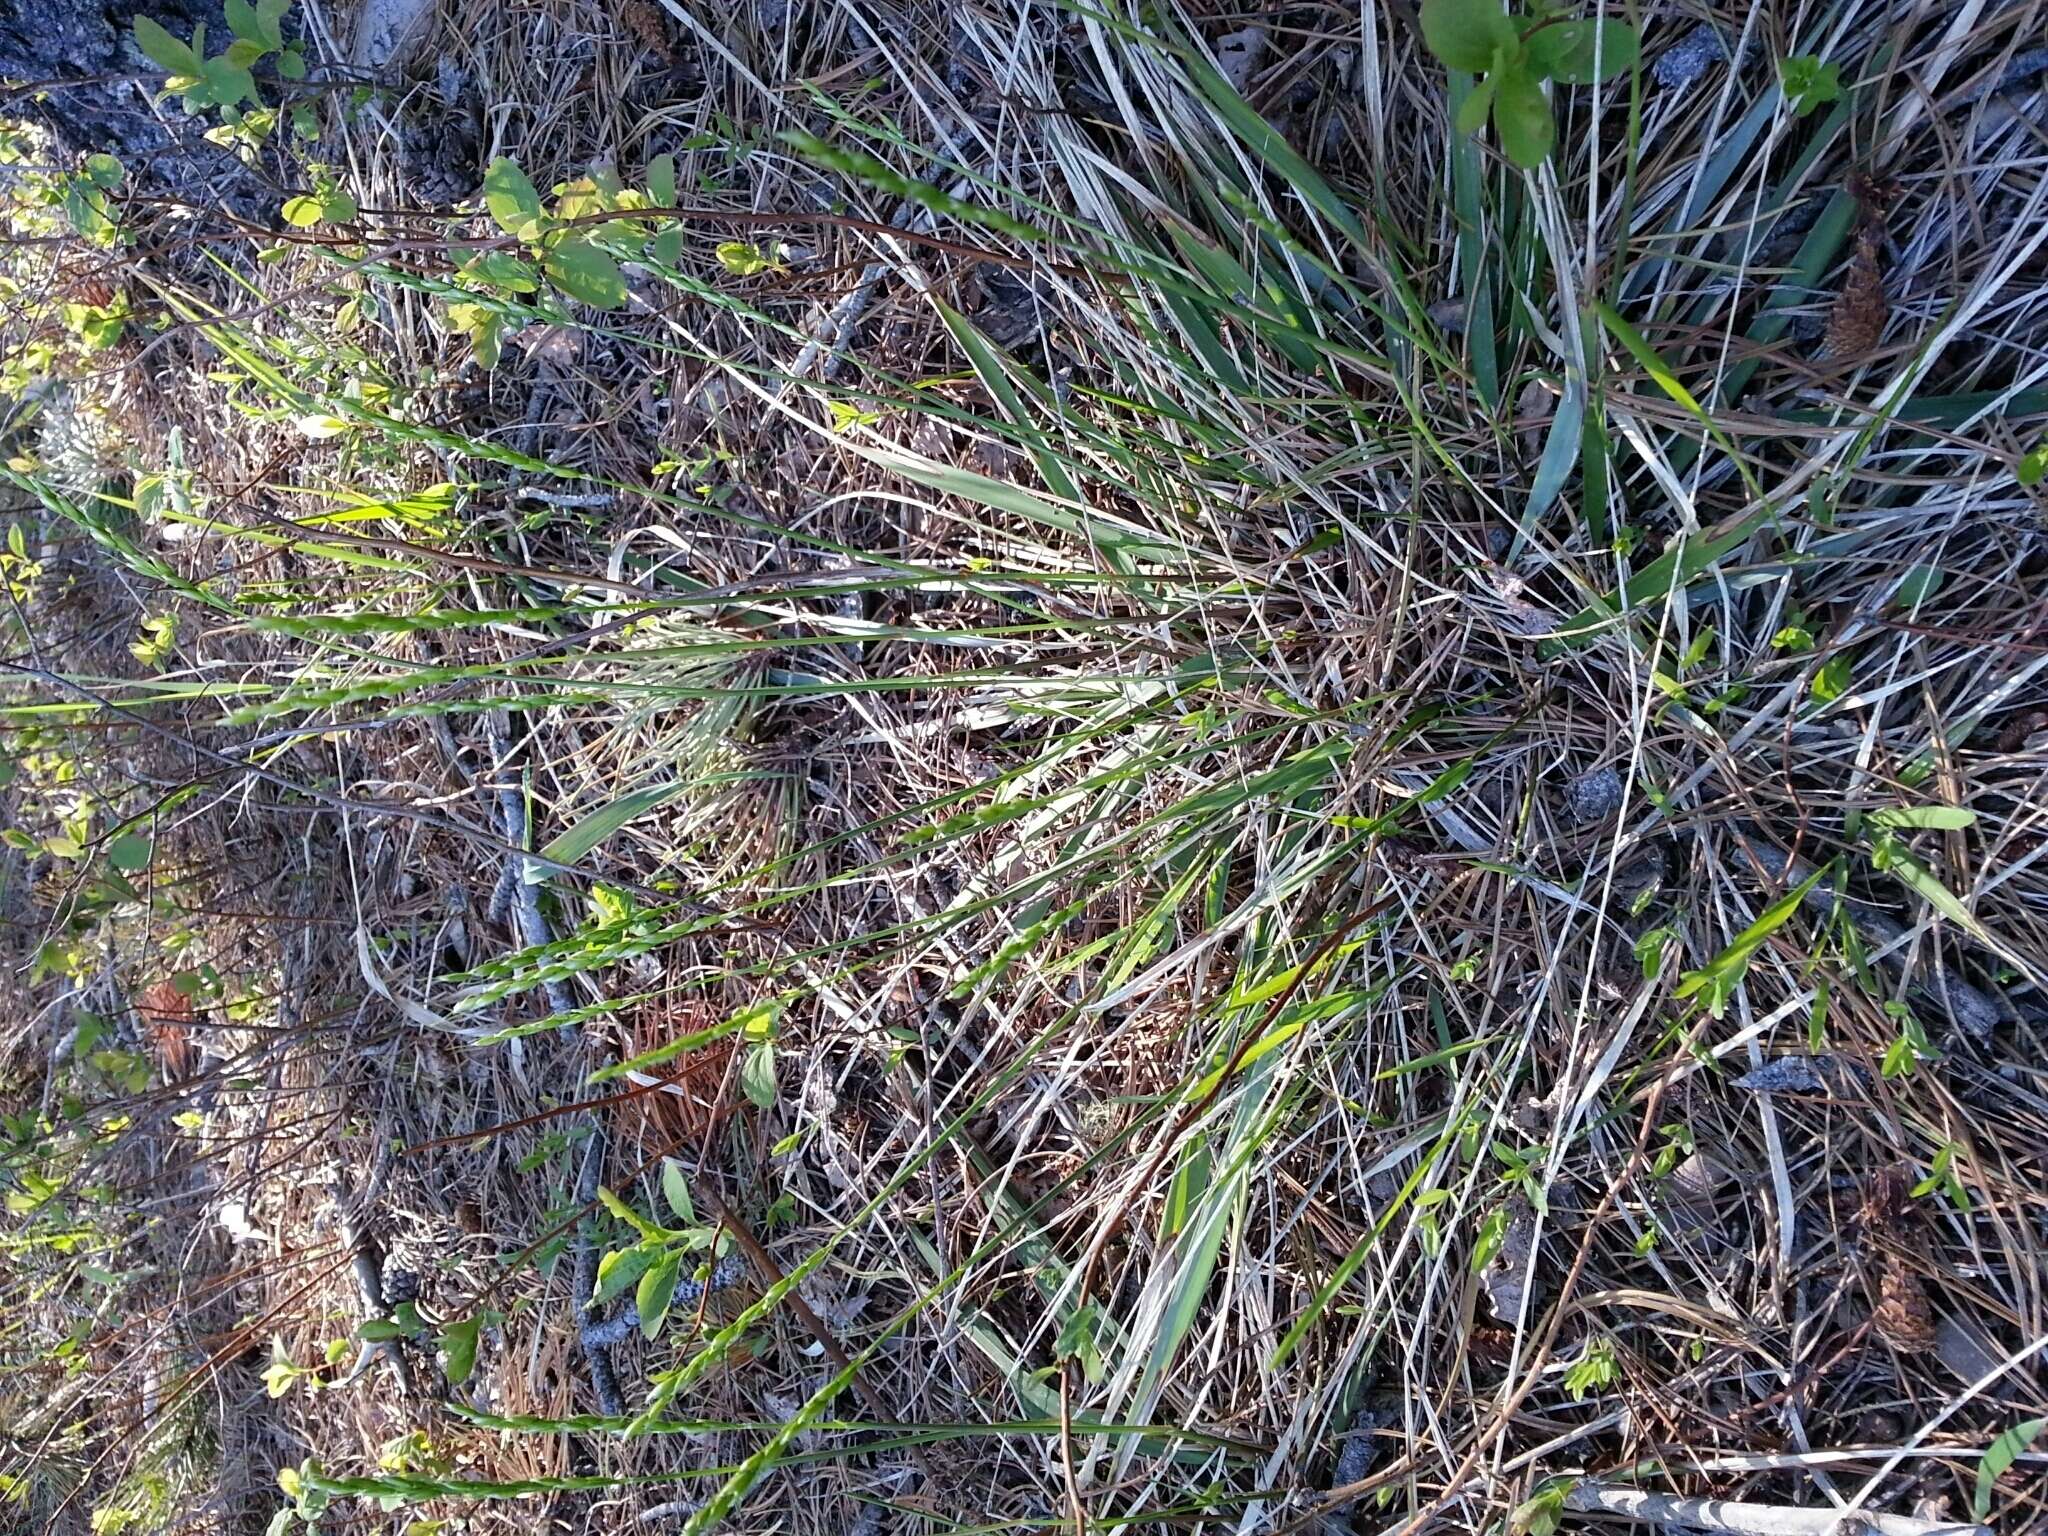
{"x": 1998, "y": 1457}
{"x": 1521, "y": 115}
{"x": 1465, "y": 33}
{"x": 229, "y": 81}
{"x": 1834, "y": 677}
{"x": 511, "y": 198}
{"x": 104, "y": 171}
{"x": 302, "y": 212}
{"x": 656, "y": 1289}
{"x": 1918, "y": 877}
{"x": 600, "y": 824}
{"x": 1567, "y": 51}
{"x": 164, "y": 50}
{"x": 585, "y": 273}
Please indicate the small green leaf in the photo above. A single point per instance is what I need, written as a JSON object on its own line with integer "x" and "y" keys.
{"x": 666, "y": 248}
{"x": 301, "y": 212}
{"x": 742, "y": 258}
{"x": 503, "y": 271}
{"x": 104, "y": 171}
{"x": 129, "y": 852}
{"x": 379, "y": 1330}
{"x": 511, "y": 198}
{"x": 1720, "y": 976}
{"x": 1582, "y": 52}
{"x": 584, "y": 272}
{"x": 337, "y": 207}
{"x": 2000, "y": 1456}
{"x": 458, "y": 1343}
{"x": 620, "y": 1268}
{"x": 242, "y": 53}
{"x": 1077, "y": 1341}
{"x": 228, "y": 81}
{"x": 1521, "y": 115}
{"x": 243, "y": 22}
{"x": 1472, "y": 112}
{"x": 626, "y": 1213}
{"x": 2033, "y": 468}
{"x": 657, "y": 1286}
{"x": 164, "y": 50}
{"x": 1808, "y": 83}
{"x": 1463, "y": 34}
{"x": 292, "y": 65}
{"x": 1834, "y": 677}
{"x": 1918, "y": 585}
{"x": 661, "y": 180}
{"x": 676, "y": 1192}
{"x": 757, "y": 1074}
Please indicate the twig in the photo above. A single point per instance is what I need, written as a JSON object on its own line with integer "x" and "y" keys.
{"x": 1752, "y": 1519}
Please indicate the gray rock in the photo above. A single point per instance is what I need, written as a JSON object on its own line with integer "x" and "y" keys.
{"x": 1686, "y": 61}
{"x": 1593, "y": 796}
{"x": 1788, "y": 1074}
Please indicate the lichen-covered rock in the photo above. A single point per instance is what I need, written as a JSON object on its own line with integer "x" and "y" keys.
{"x": 94, "y": 95}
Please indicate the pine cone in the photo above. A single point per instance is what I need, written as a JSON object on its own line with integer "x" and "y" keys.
{"x": 1904, "y": 1317}
{"x": 1857, "y": 320}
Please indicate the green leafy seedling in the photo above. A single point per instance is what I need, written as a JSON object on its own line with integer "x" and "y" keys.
{"x": 1514, "y": 55}
{"x": 1808, "y": 83}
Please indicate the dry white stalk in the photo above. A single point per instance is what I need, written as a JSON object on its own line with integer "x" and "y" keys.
{"x": 1753, "y": 1519}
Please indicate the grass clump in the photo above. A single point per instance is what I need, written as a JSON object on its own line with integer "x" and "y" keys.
{"x": 1155, "y": 795}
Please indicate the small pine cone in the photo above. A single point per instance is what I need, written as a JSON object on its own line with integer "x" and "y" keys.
{"x": 1904, "y": 1317}
{"x": 167, "y": 1017}
{"x": 400, "y": 1285}
{"x": 1857, "y": 320}
{"x": 644, "y": 22}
